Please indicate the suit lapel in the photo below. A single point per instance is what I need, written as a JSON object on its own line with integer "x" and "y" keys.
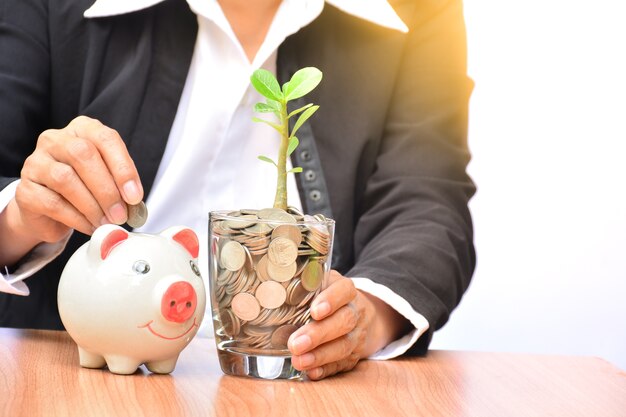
{"x": 174, "y": 37}
{"x": 312, "y": 185}
{"x": 135, "y": 72}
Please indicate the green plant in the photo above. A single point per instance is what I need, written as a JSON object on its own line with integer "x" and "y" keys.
{"x": 276, "y": 99}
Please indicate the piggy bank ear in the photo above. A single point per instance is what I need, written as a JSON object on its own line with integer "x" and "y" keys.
{"x": 104, "y": 239}
{"x": 185, "y": 237}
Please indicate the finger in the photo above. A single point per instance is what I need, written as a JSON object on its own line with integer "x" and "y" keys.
{"x": 334, "y": 276}
{"x": 333, "y": 368}
{"x": 84, "y": 157}
{"x": 39, "y": 201}
{"x": 340, "y": 292}
{"x": 62, "y": 179}
{"x": 115, "y": 155}
{"x": 333, "y": 351}
{"x": 316, "y": 333}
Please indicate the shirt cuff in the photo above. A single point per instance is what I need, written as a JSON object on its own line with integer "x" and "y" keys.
{"x": 40, "y": 256}
{"x": 7, "y": 193}
{"x": 399, "y": 346}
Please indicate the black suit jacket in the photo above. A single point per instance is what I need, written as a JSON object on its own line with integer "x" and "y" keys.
{"x": 385, "y": 156}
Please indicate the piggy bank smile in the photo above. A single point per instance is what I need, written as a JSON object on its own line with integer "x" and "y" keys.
{"x": 148, "y": 325}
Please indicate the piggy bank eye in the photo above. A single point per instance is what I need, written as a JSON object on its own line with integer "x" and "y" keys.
{"x": 141, "y": 267}
{"x": 194, "y": 268}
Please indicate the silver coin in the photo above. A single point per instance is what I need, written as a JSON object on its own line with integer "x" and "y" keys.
{"x": 137, "y": 215}
{"x": 232, "y": 256}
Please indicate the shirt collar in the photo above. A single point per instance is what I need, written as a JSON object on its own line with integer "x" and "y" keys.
{"x": 378, "y": 12}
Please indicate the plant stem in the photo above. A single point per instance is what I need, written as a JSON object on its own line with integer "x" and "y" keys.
{"x": 280, "y": 201}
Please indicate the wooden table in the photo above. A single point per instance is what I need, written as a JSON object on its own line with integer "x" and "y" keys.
{"x": 40, "y": 375}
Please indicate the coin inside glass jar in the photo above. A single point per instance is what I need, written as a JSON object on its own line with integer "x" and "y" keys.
{"x": 296, "y": 292}
{"x": 279, "y": 273}
{"x": 263, "y": 280}
{"x": 245, "y": 306}
{"x": 312, "y": 276}
{"x": 288, "y": 231}
{"x": 280, "y": 336}
{"x": 282, "y": 251}
{"x": 233, "y": 256}
{"x": 271, "y": 294}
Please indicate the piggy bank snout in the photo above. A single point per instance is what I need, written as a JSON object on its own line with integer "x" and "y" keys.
{"x": 179, "y": 302}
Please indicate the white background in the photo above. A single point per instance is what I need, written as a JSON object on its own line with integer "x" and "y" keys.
{"x": 548, "y": 138}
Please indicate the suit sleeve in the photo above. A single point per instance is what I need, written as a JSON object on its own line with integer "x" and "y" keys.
{"x": 24, "y": 82}
{"x": 414, "y": 234}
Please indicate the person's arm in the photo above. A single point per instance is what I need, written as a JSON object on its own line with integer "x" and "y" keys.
{"x": 76, "y": 177}
{"x": 24, "y": 97}
{"x": 414, "y": 323}
{"x": 11, "y": 281}
{"x": 414, "y": 234}
{"x": 15, "y": 241}
{"x": 38, "y": 257}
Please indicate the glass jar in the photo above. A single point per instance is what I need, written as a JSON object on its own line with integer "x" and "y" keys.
{"x": 265, "y": 268}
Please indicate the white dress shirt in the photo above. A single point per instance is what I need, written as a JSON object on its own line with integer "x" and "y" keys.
{"x": 210, "y": 161}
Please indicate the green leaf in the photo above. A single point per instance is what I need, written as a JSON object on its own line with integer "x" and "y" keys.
{"x": 300, "y": 110}
{"x": 265, "y": 83}
{"x": 263, "y": 108}
{"x": 267, "y": 122}
{"x": 296, "y": 169}
{"x": 303, "y": 118}
{"x": 302, "y": 82}
{"x": 293, "y": 144}
{"x": 273, "y": 104}
{"x": 266, "y": 159}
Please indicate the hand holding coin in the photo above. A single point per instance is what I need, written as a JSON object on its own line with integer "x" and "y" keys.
{"x": 78, "y": 177}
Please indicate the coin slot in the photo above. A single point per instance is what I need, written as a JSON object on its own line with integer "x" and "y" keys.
{"x": 194, "y": 268}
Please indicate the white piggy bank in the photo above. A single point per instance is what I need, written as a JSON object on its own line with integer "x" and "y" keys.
{"x": 129, "y": 298}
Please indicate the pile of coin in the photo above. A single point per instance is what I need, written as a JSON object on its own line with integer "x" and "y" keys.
{"x": 267, "y": 266}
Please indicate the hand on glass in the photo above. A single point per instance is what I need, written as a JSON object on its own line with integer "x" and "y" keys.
{"x": 348, "y": 325}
